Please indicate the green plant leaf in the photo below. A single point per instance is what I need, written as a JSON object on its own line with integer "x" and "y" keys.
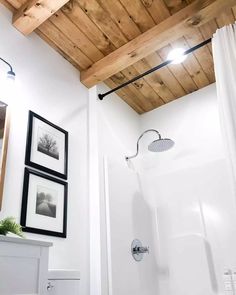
{"x": 9, "y": 225}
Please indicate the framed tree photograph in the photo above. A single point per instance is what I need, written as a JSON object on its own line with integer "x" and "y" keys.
{"x": 46, "y": 146}
{"x": 44, "y": 204}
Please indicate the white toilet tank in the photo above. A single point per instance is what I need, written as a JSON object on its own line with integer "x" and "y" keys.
{"x": 63, "y": 282}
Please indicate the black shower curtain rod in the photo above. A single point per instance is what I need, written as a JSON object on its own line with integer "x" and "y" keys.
{"x": 165, "y": 63}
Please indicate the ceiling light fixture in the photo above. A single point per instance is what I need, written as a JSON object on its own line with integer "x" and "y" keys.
{"x": 177, "y": 55}
{"x": 10, "y": 74}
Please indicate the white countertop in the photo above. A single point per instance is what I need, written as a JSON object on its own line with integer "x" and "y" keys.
{"x": 19, "y": 240}
{"x": 63, "y": 274}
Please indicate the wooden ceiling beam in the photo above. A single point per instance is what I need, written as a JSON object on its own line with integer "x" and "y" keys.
{"x": 7, "y": 5}
{"x": 34, "y": 12}
{"x": 174, "y": 27}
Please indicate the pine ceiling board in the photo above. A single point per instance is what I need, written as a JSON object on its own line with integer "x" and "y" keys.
{"x": 126, "y": 96}
{"x": 17, "y": 3}
{"x": 207, "y": 30}
{"x": 64, "y": 44}
{"x": 192, "y": 65}
{"x": 88, "y": 27}
{"x": 159, "y": 87}
{"x": 155, "y": 81}
{"x": 167, "y": 77}
{"x": 49, "y": 32}
{"x": 33, "y": 13}
{"x": 109, "y": 28}
{"x": 172, "y": 86}
{"x": 203, "y": 55}
{"x": 179, "y": 71}
{"x": 86, "y": 30}
{"x": 131, "y": 94}
{"x": 131, "y": 33}
{"x": 7, "y": 5}
{"x": 152, "y": 97}
{"x": 120, "y": 78}
{"x": 44, "y": 37}
{"x": 157, "y": 9}
{"x": 56, "y": 48}
{"x": 225, "y": 18}
{"x": 139, "y": 14}
{"x": 177, "y": 25}
{"x": 124, "y": 76}
{"x": 134, "y": 71}
{"x": 121, "y": 17}
{"x": 234, "y": 11}
{"x": 175, "y": 5}
{"x": 72, "y": 32}
{"x": 164, "y": 92}
{"x": 103, "y": 20}
{"x": 146, "y": 89}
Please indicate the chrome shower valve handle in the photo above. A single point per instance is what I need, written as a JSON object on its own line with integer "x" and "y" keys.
{"x": 137, "y": 250}
{"x": 140, "y": 250}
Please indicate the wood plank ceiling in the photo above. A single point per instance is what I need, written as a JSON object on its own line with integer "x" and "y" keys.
{"x": 85, "y": 31}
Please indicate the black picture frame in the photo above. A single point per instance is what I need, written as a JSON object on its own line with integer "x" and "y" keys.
{"x": 38, "y": 166}
{"x": 25, "y": 198}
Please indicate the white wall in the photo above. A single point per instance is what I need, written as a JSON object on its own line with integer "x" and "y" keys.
{"x": 48, "y": 85}
{"x": 119, "y": 125}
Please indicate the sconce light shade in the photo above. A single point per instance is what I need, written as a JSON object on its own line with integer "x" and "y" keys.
{"x": 11, "y": 75}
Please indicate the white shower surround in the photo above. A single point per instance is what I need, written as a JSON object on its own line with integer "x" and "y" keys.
{"x": 188, "y": 189}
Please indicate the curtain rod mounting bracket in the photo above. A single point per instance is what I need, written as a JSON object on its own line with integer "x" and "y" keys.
{"x": 100, "y": 96}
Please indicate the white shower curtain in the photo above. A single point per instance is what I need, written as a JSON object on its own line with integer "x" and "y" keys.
{"x": 224, "y": 54}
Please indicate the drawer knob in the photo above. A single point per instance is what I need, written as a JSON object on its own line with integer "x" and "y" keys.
{"x": 50, "y": 286}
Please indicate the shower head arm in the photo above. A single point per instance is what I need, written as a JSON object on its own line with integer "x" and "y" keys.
{"x": 137, "y": 150}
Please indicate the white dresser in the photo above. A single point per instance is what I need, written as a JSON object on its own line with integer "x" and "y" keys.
{"x": 23, "y": 266}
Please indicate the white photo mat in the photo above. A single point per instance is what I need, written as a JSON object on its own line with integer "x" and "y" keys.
{"x": 44, "y": 204}
{"x": 47, "y": 146}
{"x": 39, "y": 130}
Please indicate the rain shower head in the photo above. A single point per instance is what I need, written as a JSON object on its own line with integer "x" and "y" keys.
{"x": 158, "y": 145}
{"x": 161, "y": 145}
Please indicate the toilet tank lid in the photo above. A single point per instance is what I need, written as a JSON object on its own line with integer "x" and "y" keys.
{"x": 63, "y": 274}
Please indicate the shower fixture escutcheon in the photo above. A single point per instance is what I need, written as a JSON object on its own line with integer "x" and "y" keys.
{"x": 137, "y": 250}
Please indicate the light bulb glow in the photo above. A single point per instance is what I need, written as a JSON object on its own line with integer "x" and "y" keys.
{"x": 177, "y": 55}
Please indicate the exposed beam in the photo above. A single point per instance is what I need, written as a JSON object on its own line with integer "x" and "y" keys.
{"x": 7, "y": 5}
{"x": 34, "y": 12}
{"x": 174, "y": 27}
